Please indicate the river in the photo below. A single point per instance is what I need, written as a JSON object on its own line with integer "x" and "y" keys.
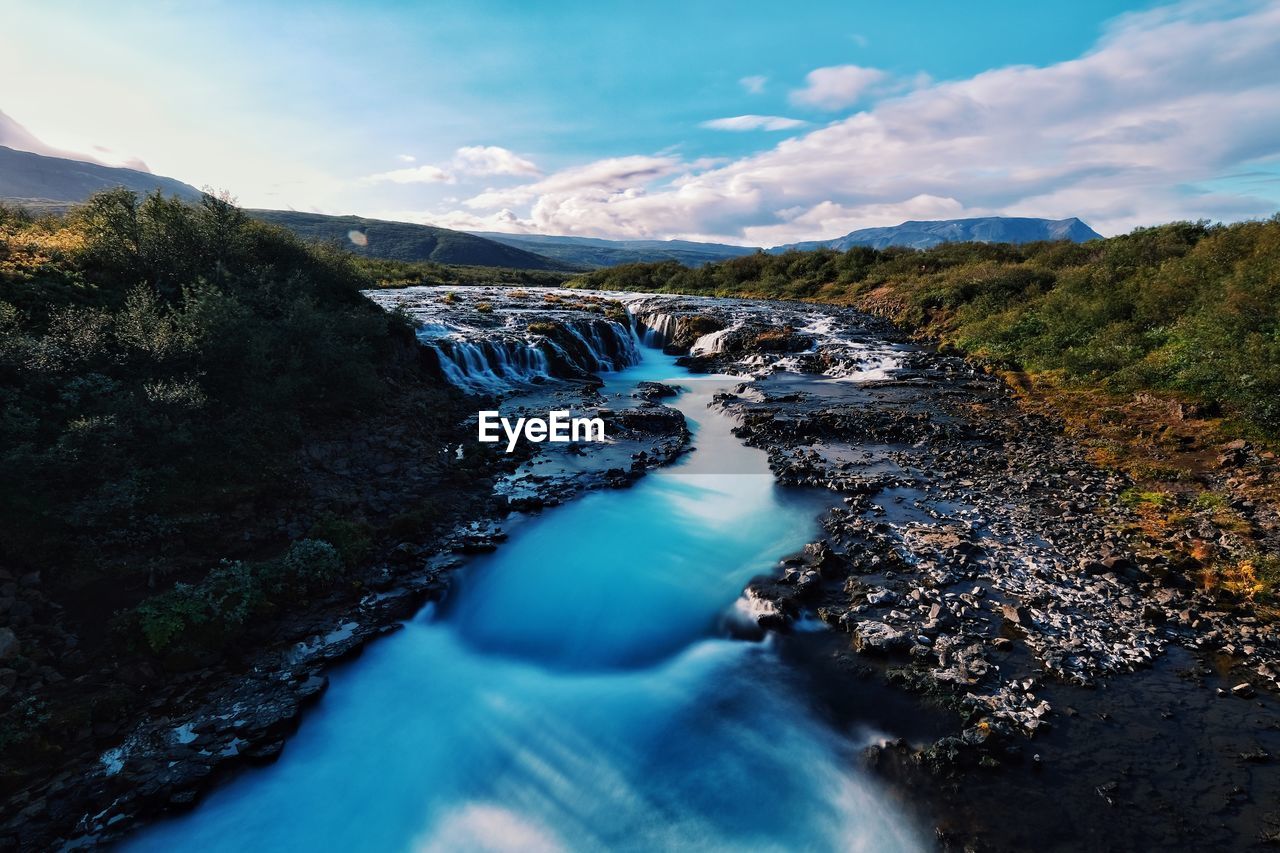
{"x": 579, "y": 691}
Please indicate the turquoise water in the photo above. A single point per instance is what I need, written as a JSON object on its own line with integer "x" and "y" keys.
{"x": 577, "y": 693}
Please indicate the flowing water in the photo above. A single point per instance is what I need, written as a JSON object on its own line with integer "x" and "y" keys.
{"x": 578, "y": 691}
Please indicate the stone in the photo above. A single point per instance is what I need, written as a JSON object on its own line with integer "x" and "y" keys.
{"x": 881, "y": 597}
{"x": 9, "y": 646}
{"x": 1016, "y": 613}
{"x": 879, "y": 637}
{"x": 1244, "y": 690}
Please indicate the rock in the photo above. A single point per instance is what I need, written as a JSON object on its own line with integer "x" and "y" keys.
{"x": 653, "y": 391}
{"x": 9, "y": 646}
{"x": 879, "y": 637}
{"x": 881, "y": 597}
{"x": 1016, "y": 613}
{"x": 1244, "y": 690}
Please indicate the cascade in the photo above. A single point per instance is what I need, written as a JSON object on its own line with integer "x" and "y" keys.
{"x": 495, "y": 364}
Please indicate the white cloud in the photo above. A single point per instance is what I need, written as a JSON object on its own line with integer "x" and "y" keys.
{"x": 837, "y": 87}
{"x": 414, "y": 175}
{"x": 504, "y": 220}
{"x": 599, "y": 180}
{"x": 406, "y": 158}
{"x": 492, "y": 160}
{"x": 754, "y": 84}
{"x": 1119, "y": 136}
{"x": 17, "y": 137}
{"x": 830, "y": 219}
{"x": 754, "y": 122}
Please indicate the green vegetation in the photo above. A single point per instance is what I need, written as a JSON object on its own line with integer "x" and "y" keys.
{"x": 195, "y": 620}
{"x": 158, "y": 363}
{"x": 1186, "y": 309}
{"x": 405, "y": 241}
{"x": 390, "y": 274}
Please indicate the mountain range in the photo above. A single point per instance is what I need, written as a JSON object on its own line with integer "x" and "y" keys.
{"x": 987, "y": 229}
{"x": 406, "y": 241}
{"x": 597, "y": 252}
{"x": 50, "y": 183}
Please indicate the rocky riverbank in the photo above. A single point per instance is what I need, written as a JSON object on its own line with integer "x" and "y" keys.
{"x": 980, "y": 561}
{"x": 206, "y": 722}
{"x": 976, "y": 568}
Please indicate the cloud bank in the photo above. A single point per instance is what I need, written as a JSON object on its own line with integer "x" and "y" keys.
{"x": 1134, "y": 132}
{"x": 754, "y": 122}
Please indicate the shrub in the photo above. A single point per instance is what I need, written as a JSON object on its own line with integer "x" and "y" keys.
{"x": 310, "y": 566}
{"x": 354, "y": 540}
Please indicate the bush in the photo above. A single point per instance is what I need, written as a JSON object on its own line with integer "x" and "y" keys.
{"x": 161, "y": 359}
{"x": 353, "y": 540}
{"x": 1186, "y": 309}
{"x": 309, "y": 567}
{"x": 202, "y": 619}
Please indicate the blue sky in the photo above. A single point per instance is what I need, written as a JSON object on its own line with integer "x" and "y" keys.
{"x": 752, "y": 122}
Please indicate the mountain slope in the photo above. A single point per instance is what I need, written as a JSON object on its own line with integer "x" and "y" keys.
{"x": 595, "y": 252}
{"x": 987, "y": 229}
{"x": 24, "y": 175}
{"x": 406, "y": 241}
{"x": 52, "y": 184}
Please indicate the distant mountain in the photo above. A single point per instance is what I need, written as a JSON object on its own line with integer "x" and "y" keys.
{"x": 594, "y": 252}
{"x": 53, "y": 184}
{"x": 406, "y": 241}
{"x": 24, "y": 175}
{"x": 988, "y": 229}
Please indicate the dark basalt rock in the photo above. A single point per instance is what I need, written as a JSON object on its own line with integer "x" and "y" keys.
{"x": 654, "y": 391}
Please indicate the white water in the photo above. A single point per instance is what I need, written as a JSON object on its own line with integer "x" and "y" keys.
{"x": 498, "y": 363}
{"x": 577, "y": 694}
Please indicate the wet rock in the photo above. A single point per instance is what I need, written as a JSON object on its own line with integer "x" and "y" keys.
{"x": 881, "y": 598}
{"x": 880, "y": 637}
{"x": 9, "y": 646}
{"x": 1016, "y": 613}
{"x": 654, "y": 391}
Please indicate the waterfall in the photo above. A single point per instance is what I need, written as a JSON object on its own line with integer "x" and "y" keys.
{"x": 656, "y": 329}
{"x": 498, "y": 363}
{"x": 712, "y": 342}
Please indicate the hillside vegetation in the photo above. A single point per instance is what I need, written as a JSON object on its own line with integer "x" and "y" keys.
{"x": 204, "y": 429}
{"x": 1158, "y": 350}
{"x": 405, "y": 241}
{"x": 157, "y": 358}
{"x": 1187, "y": 308}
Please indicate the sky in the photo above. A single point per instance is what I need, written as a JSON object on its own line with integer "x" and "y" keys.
{"x": 757, "y": 123}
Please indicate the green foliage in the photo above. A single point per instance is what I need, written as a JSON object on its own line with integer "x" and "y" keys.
{"x": 198, "y": 617}
{"x": 160, "y": 359}
{"x": 1187, "y": 309}
{"x": 405, "y": 241}
{"x": 386, "y": 273}
{"x": 310, "y": 566}
{"x": 202, "y": 619}
{"x": 353, "y": 540}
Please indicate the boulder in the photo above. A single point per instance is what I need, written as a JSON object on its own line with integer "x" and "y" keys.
{"x": 9, "y": 646}
{"x": 880, "y": 637}
{"x": 1016, "y": 613}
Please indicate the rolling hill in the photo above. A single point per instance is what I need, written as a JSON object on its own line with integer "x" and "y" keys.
{"x": 406, "y": 241}
{"x": 595, "y": 252}
{"x": 46, "y": 184}
{"x": 24, "y": 175}
{"x": 987, "y": 229}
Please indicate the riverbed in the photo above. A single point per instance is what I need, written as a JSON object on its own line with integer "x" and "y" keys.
{"x": 581, "y": 689}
